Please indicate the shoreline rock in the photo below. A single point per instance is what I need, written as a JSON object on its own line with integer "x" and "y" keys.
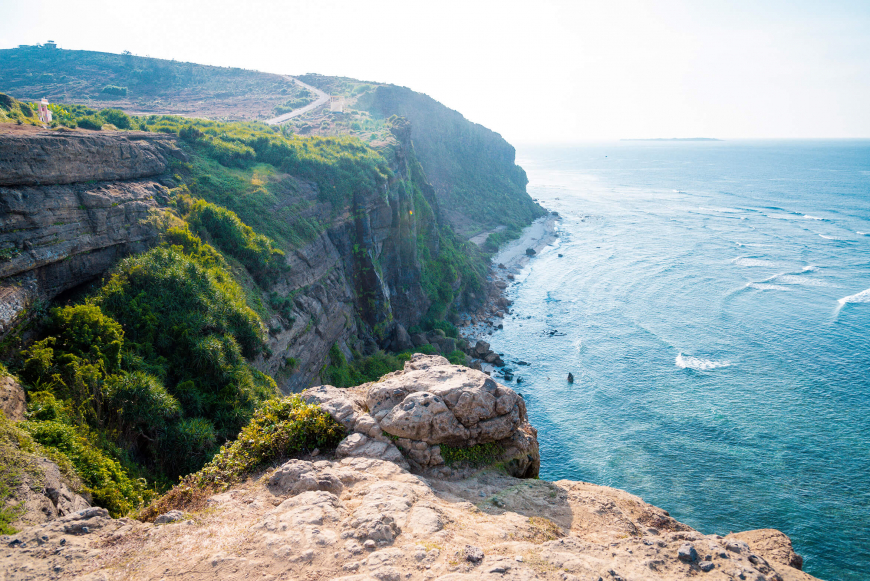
{"x": 409, "y": 415}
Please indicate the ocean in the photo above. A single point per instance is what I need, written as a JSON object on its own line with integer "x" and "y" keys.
{"x": 712, "y": 300}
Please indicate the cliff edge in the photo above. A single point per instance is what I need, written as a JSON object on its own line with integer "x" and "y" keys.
{"x": 379, "y": 512}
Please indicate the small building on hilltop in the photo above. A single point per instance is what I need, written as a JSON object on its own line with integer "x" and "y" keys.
{"x": 336, "y": 103}
{"x": 43, "y": 111}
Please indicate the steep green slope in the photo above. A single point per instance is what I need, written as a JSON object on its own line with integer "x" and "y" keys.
{"x": 473, "y": 169}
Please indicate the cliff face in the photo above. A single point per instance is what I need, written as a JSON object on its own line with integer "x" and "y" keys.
{"x": 61, "y": 222}
{"x": 72, "y": 204}
{"x": 362, "y": 269}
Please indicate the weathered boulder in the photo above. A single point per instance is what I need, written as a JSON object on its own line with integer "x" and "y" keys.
{"x": 401, "y": 339}
{"x": 426, "y": 406}
{"x": 419, "y": 339}
{"x": 481, "y": 348}
{"x": 771, "y": 543}
{"x": 298, "y": 476}
{"x": 12, "y": 401}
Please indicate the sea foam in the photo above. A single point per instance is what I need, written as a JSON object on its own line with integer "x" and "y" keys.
{"x": 861, "y": 297}
{"x": 698, "y": 364}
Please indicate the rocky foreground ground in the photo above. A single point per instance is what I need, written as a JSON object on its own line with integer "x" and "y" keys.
{"x": 387, "y": 506}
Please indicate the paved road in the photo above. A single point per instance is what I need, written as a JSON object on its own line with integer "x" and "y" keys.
{"x": 322, "y": 98}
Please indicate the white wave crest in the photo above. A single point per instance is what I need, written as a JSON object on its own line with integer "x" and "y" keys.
{"x": 698, "y": 364}
{"x": 808, "y": 217}
{"x": 861, "y": 297}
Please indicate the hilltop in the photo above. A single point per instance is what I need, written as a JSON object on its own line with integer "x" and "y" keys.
{"x": 144, "y": 85}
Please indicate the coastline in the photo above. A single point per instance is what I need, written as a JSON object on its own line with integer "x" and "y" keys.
{"x": 508, "y": 262}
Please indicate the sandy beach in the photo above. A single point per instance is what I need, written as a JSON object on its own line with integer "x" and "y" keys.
{"x": 508, "y": 262}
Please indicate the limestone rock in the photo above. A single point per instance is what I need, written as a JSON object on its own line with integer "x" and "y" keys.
{"x": 297, "y": 476}
{"x": 359, "y": 445}
{"x": 387, "y": 524}
{"x": 775, "y": 545}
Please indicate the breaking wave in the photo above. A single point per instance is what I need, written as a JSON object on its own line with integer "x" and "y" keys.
{"x": 861, "y": 297}
{"x": 698, "y": 364}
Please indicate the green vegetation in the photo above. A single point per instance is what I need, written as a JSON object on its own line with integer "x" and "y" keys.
{"x": 256, "y": 252}
{"x": 280, "y": 428}
{"x": 478, "y": 455}
{"x": 149, "y": 374}
{"x": 14, "y": 111}
{"x": 115, "y": 90}
{"x": 478, "y": 184}
{"x": 341, "y": 373}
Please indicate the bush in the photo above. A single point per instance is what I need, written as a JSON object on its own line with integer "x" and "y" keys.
{"x": 117, "y": 118}
{"x": 257, "y": 252}
{"x": 105, "y": 479}
{"x": 280, "y": 428}
{"x": 92, "y": 122}
{"x": 115, "y": 90}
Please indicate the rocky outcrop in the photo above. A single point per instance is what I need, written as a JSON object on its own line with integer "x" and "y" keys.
{"x": 12, "y": 400}
{"x": 44, "y": 494}
{"x": 73, "y": 157}
{"x": 413, "y": 413}
{"x": 60, "y": 234}
{"x": 363, "y": 519}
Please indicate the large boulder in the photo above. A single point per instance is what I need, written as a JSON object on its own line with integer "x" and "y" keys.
{"x": 401, "y": 339}
{"x": 428, "y": 405}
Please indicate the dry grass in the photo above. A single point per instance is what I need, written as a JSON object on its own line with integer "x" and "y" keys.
{"x": 540, "y": 530}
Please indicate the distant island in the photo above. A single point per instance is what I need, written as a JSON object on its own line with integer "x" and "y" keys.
{"x": 676, "y": 139}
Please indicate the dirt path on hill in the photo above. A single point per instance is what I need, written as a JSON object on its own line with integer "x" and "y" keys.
{"x": 322, "y": 98}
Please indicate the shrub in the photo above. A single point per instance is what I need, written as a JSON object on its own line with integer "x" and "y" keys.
{"x": 90, "y": 122}
{"x": 104, "y": 478}
{"x": 257, "y": 252}
{"x": 478, "y": 455}
{"x": 280, "y": 428}
{"x": 117, "y": 118}
{"x": 115, "y": 90}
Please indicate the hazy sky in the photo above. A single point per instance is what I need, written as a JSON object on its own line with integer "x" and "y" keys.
{"x": 533, "y": 71}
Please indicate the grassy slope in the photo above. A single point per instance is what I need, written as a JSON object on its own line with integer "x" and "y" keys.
{"x": 77, "y": 76}
{"x": 472, "y": 168}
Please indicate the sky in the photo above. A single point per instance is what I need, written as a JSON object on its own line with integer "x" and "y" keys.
{"x": 543, "y": 71}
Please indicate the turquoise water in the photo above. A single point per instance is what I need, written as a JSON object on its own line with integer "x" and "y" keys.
{"x": 713, "y": 303}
